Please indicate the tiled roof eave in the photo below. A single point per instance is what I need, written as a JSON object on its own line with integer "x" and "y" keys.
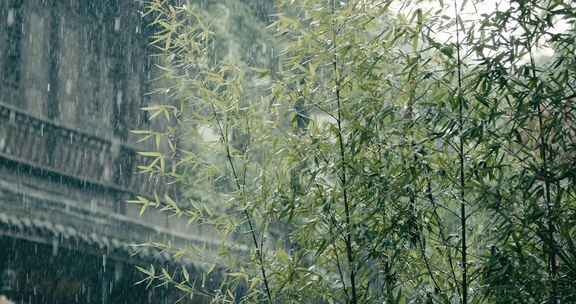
{"x": 41, "y": 230}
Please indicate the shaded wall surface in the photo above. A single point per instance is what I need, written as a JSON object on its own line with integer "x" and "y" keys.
{"x": 73, "y": 75}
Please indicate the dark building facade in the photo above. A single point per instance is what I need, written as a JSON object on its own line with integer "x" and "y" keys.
{"x": 73, "y": 75}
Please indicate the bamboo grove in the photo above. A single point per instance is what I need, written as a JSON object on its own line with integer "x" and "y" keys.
{"x": 375, "y": 151}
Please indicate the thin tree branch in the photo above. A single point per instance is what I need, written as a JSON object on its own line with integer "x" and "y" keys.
{"x": 259, "y": 253}
{"x": 463, "y": 218}
{"x": 550, "y": 244}
{"x": 442, "y": 234}
{"x": 347, "y": 211}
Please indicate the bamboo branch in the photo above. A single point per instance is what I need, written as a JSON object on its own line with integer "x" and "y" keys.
{"x": 542, "y": 147}
{"x": 441, "y": 232}
{"x": 463, "y": 218}
{"x": 343, "y": 178}
{"x": 241, "y": 188}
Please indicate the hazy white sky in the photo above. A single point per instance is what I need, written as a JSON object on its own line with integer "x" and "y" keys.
{"x": 470, "y": 11}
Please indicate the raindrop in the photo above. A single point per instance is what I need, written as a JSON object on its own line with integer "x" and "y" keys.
{"x": 118, "y": 271}
{"x": 10, "y": 18}
{"x": 54, "y": 247}
{"x": 119, "y": 98}
{"x": 68, "y": 86}
{"x": 116, "y": 24}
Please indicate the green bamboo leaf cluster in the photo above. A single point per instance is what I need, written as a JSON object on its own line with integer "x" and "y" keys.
{"x": 366, "y": 159}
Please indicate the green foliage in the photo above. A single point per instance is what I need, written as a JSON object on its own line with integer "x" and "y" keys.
{"x": 371, "y": 162}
